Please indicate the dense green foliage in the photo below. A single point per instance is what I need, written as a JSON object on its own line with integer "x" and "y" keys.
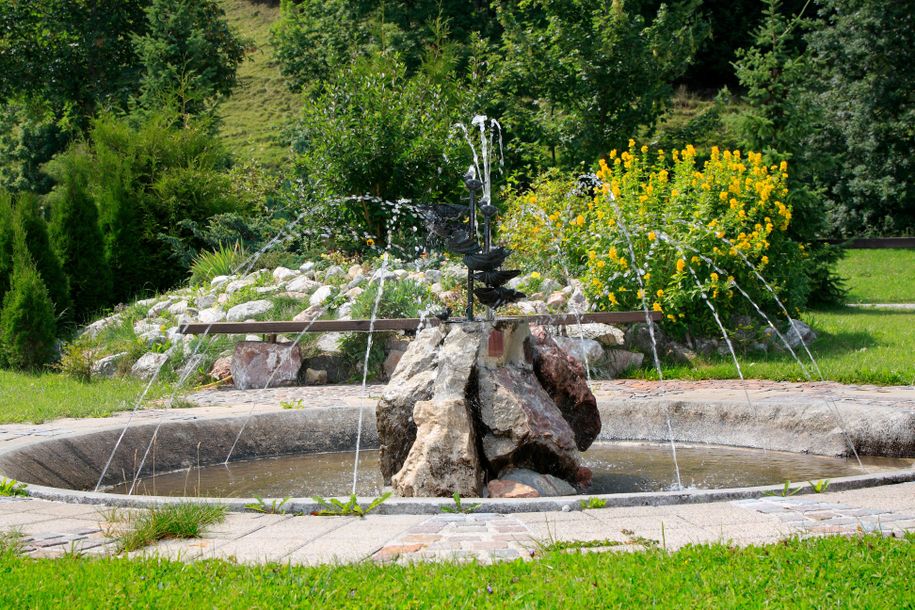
{"x": 866, "y": 571}
{"x": 27, "y": 324}
{"x": 30, "y": 217}
{"x": 75, "y": 235}
{"x": 189, "y": 54}
{"x": 6, "y": 241}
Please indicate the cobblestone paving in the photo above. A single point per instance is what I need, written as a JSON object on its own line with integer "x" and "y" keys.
{"x": 484, "y": 537}
{"x": 815, "y": 516}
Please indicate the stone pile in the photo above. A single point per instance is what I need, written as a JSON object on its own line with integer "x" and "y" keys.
{"x": 486, "y": 409}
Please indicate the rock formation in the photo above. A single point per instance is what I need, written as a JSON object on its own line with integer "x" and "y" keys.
{"x": 471, "y": 402}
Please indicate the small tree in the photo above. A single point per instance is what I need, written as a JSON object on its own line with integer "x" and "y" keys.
{"x": 75, "y": 234}
{"x": 189, "y": 52}
{"x": 6, "y": 242}
{"x": 28, "y": 215}
{"x": 27, "y": 324}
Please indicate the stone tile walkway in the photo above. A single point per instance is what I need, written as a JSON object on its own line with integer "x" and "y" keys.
{"x": 50, "y": 529}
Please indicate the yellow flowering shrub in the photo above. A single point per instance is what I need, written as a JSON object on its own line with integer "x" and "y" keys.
{"x": 695, "y": 227}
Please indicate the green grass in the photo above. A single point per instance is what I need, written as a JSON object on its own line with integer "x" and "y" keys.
{"x": 261, "y": 105}
{"x": 37, "y": 398}
{"x": 871, "y": 572}
{"x": 134, "y": 531}
{"x": 854, "y": 346}
{"x": 879, "y": 276}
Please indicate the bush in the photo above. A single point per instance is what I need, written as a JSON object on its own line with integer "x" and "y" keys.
{"x": 400, "y": 299}
{"x": 222, "y": 261}
{"x": 381, "y": 136}
{"x": 75, "y": 235}
{"x": 29, "y": 216}
{"x": 720, "y": 221}
{"x": 27, "y": 324}
{"x": 6, "y": 242}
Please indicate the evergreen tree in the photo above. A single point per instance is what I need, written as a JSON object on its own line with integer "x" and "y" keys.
{"x": 75, "y": 234}
{"x": 27, "y": 324}
{"x": 28, "y": 215}
{"x": 189, "y": 52}
{"x": 6, "y": 242}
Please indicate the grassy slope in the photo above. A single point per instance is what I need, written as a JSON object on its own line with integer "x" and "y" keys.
{"x": 261, "y": 105}
{"x": 879, "y": 276}
{"x": 872, "y": 571}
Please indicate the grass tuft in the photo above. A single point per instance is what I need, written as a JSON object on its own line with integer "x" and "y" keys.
{"x": 170, "y": 521}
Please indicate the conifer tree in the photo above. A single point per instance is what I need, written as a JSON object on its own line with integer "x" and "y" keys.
{"x": 75, "y": 234}
{"x": 27, "y": 324}
{"x": 28, "y": 215}
{"x": 6, "y": 242}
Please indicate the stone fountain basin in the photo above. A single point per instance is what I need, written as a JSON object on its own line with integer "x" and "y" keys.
{"x": 64, "y": 467}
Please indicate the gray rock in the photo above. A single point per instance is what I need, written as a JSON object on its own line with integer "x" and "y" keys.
{"x": 236, "y": 285}
{"x": 605, "y": 334}
{"x": 266, "y": 289}
{"x": 354, "y": 271}
{"x": 158, "y": 308}
{"x": 798, "y": 333}
{"x": 247, "y": 310}
{"x": 315, "y": 377}
{"x": 443, "y": 459}
{"x": 343, "y": 313}
{"x": 333, "y": 271}
{"x": 329, "y": 343}
{"x": 312, "y": 313}
{"x": 148, "y": 365}
{"x": 302, "y": 284}
{"x": 556, "y": 300}
{"x": 390, "y": 363}
{"x": 211, "y": 315}
{"x": 587, "y": 352}
{"x": 619, "y": 361}
{"x": 178, "y": 308}
{"x": 219, "y": 280}
{"x": 255, "y": 365}
{"x": 411, "y": 381}
{"x": 205, "y": 301}
{"x": 321, "y": 295}
{"x": 107, "y": 367}
{"x": 98, "y": 326}
{"x": 284, "y": 274}
{"x": 353, "y": 293}
{"x": 533, "y": 307}
{"x": 306, "y": 267}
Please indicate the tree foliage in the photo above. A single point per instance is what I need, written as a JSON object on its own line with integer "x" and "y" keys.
{"x": 30, "y": 218}
{"x": 27, "y": 324}
{"x": 75, "y": 234}
{"x": 189, "y": 53}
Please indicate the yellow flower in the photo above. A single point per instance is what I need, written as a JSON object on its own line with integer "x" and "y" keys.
{"x": 612, "y": 298}
{"x": 674, "y": 192}
{"x": 694, "y": 260}
{"x": 660, "y": 292}
{"x": 631, "y": 143}
{"x": 656, "y": 306}
{"x": 535, "y": 275}
{"x": 370, "y": 242}
{"x": 671, "y": 316}
{"x": 714, "y": 276}
{"x": 644, "y": 149}
{"x": 652, "y": 236}
{"x": 681, "y": 265}
{"x": 612, "y": 253}
{"x": 532, "y": 199}
{"x": 579, "y": 220}
{"x": 647, "y": 276}
{"x": 764, "y": 260}
{"x": 640, "y": 294}
{"x": 601, "y": 264}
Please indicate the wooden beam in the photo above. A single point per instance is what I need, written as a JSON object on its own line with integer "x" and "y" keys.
{"x": 329, "y": 326}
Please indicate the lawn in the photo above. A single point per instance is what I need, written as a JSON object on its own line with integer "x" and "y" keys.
{"x": 854, "y": 346}
{"x": 38, "y": 398}
{"x": 879, "y": 276}
{"x": 871, "y": 571}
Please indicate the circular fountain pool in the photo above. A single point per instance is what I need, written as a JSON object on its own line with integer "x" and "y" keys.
{"x": 623, "y": 467}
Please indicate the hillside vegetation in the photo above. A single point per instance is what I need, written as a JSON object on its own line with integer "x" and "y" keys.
{"x": 261, "y": 105}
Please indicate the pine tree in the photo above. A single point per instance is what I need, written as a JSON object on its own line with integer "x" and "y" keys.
{"x": 75, "y": 234}
{"x": 28, "y": 215}
{"x": 6, "y": 242}
{"x": 27, "y": 323}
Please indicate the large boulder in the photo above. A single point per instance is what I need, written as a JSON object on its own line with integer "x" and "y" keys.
{"x": 563, "y": 378}
{"x": 243, "y": 311}
{"x": 148, "y": 366}
{"x": 257, "y": 365}
{"x": 443, "y": 459}
{"x": 411, "y": 382}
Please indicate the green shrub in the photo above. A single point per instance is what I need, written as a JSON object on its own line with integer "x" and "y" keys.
{"x": 29, "y": 216}
{"x": 224, "y": 260}
{"x": 6, "y": 241}
{"x": 719, "y": 221}
{"x": 27, "y": 325}
{"x": 400, "y": 299}
{"x": 378, "y": 135}
{"x": 76, "y": 361}
{"x": 75, "y": 234}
